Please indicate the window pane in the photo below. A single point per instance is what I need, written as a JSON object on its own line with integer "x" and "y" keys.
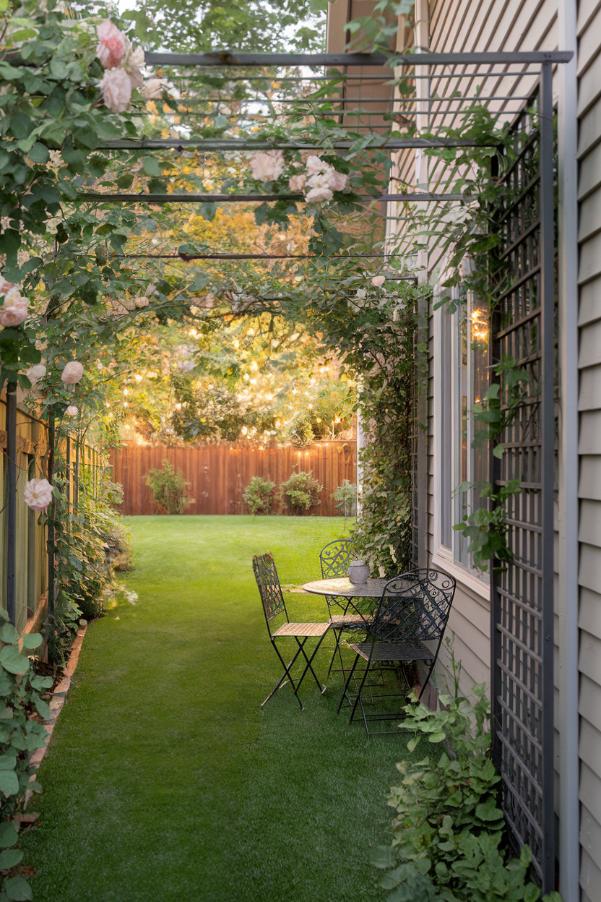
{"x": 446, "y": 429}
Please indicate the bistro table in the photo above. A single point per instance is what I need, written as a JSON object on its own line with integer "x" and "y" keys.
{"x": 345, "y": 594}
{"x": 342, "y": 587}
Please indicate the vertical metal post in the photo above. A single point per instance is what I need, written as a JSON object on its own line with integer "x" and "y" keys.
{"x": 68, "y": 473}
{"x": 50, "y": 539}
{"x": 547, "y": 433}
{"x": 76, "y": 474}
{"x": 11, "y": 500}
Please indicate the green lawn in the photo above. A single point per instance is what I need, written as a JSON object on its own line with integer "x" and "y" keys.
{"x": 165, "y": 780}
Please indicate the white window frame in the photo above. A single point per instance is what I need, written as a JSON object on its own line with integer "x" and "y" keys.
{"x": 443, "y": 556}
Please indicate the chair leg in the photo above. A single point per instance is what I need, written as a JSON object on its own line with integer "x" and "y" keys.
{"x": 338, "y": 634}
{"x": 309, "y": 664}
{"x": 347, "y": 684}
{"x": 427, "y": 680}
{"x": 286, "y": 676}
{"x": 359, "y": 691}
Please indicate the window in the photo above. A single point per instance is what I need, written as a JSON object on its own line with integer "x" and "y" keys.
{"x": 461, "y": 378}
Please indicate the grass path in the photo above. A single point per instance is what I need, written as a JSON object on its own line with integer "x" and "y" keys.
{"x": 165, "y": 781}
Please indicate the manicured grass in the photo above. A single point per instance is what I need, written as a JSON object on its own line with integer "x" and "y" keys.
{"x": 166, "y": 781}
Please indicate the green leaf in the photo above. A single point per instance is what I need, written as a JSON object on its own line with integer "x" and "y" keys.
{"x": 9, "y": 782}
{"x": 39, "y": 153}
{"x": 9, "y": 634}
{"x": 151, "y": 167}
{"x": 17, "y": 889}
{"x": 9, "y": 858}
{"x": 8, "y": 761}
{"x": 12, "y": 661}
{"x": 32, "y": 640}
{"x": 8, "y": 835}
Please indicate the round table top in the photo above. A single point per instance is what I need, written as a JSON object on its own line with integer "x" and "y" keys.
{"x": 343, "y": 586}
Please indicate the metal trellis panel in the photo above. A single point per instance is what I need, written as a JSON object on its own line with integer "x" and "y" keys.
{"x": 522, "y": 591}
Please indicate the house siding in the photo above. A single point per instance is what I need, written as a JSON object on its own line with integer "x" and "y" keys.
{"x": 589, "y": 406}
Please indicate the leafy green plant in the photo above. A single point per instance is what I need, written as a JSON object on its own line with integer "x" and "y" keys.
{"x": 345, "y": 496}
{"x": 301, "y": 492}
{"x": 448, "y": 830}
{"x": 168, "y": 488}
{"x": 259, "y": 494}
{"x": 22, "y": 709}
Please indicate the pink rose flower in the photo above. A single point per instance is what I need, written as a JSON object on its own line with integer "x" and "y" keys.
{"x": 112, "y": 45}
{"x": 72, "y": 410}
{"x": 14, "y": 309}
{"x": 116, "y": 90}
{"x": 378, "y": 281}
{"x": 267, "y": 166}
{"x": 72, "y": 372}
{"x": 297, "y": 183}
{"x": 38, "y": 494}
{"x": 5, "y": 286}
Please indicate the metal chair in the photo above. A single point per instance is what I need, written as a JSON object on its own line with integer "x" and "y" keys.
{"x": 334, "y": 559}
{"x": 274, "y": 608}
{"x": 408, "y": 627}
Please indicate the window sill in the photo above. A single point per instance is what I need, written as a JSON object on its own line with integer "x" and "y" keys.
{"x": 464, "y": 577}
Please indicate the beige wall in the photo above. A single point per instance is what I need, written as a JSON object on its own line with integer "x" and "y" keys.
{"x": 589, "y": 193}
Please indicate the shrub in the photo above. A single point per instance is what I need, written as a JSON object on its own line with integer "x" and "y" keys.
{"x": 22, "y": 734}
{"x": 345, "y": 496}
{"x": 258, "y": 495}
{"x": 301, "y": 492}
{"x": 448, "y": 832}
{"x": 168, "y": 488}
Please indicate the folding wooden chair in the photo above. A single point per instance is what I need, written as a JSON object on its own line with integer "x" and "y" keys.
{"x": 408, "y": 627}
{"x": 274, "y": 608}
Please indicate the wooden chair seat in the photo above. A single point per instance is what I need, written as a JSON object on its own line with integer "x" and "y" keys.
{"x": 301, "y": 629}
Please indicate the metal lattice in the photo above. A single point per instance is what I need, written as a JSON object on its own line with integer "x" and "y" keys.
{"x": 522, "y": 592}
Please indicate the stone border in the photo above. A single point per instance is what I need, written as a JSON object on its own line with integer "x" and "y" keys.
{"x": 59, "y": 697}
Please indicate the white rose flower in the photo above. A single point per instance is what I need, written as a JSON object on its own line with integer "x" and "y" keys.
{"x": 378, "y": 281}
{"x": 14, "y": 309}
{"x": 35, "y": 373}
{"x": 338, "y": 180}
{"x": 267, "y": 166}
{"x": 152, "y": 89}
{"x": 316, "y": 165}
{"x": 318, "y": 195}
{"x": 72, "y": 372}
{"x": 134, "y": 61}
{"x": 142, "y": 302}
{"x": 72, "y": 410}
{"x": 297, "y": 183}
{"x": 361, "y": 294}
{"x": 116, "y": 90}
{"x": 38, "y": 494}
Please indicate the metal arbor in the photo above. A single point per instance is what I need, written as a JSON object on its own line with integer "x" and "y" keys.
{"x": 445, "y": 86}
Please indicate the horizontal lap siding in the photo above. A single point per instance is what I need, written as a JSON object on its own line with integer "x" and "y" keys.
{"x": 463, "y": 26}
{"x": 589, "y": 193}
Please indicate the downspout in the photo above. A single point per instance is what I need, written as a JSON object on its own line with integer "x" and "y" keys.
{"x": 568, "y": 594}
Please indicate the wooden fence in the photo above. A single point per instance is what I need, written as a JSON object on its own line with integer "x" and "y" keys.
{"x": 218, "y": 474}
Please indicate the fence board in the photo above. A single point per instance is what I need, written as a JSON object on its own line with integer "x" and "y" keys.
{"x": 218, "y": 474}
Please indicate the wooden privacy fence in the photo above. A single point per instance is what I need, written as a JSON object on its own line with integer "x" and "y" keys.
{"x": 24, "y": 564}
{"x": 218, "y": 474}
